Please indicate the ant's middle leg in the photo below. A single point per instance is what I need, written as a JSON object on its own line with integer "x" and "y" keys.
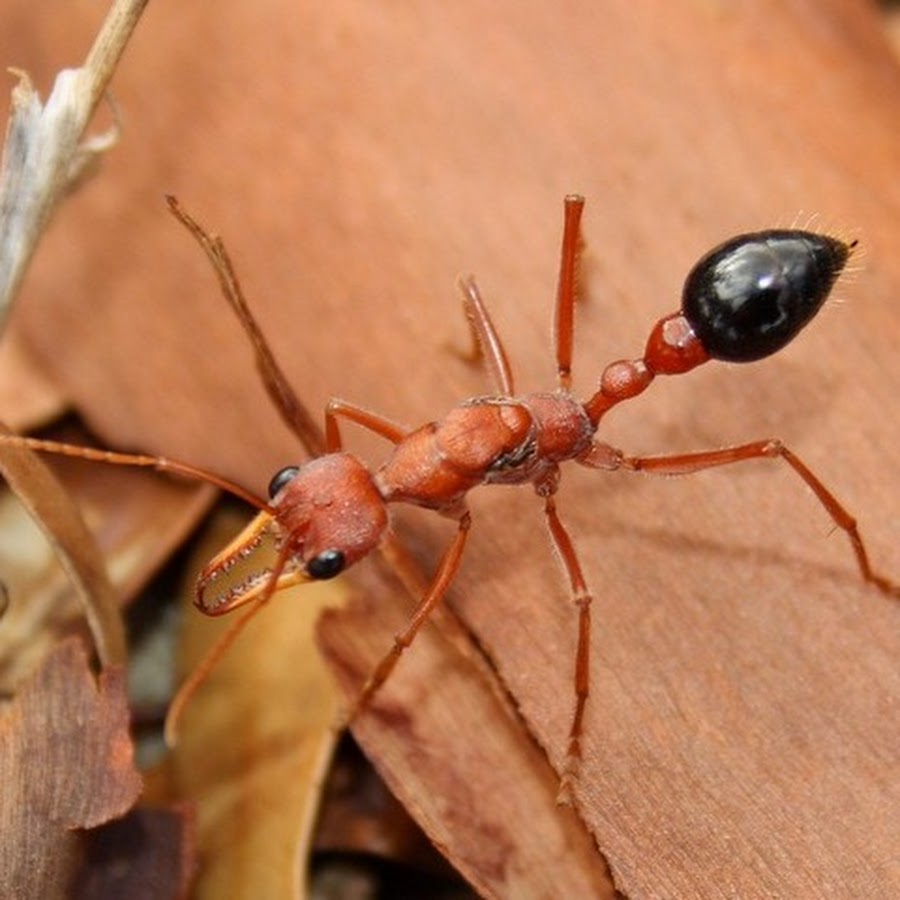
{"x": 486, "y": 344}
{"x": 606, "y": 457}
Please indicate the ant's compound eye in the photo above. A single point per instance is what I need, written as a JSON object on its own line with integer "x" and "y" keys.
{"x": 748, "y": 298}
{"x": 280, "y": 479}
{"x": 326, "y": 565}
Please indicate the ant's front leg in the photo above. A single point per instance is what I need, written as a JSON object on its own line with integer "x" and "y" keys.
{"x": 603, "y": 456}
{"x": 440, "y": 583}
{"x": 372, "y": 421}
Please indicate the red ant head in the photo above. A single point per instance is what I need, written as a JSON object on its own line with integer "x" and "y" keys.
{"x": 323, "y": 517}
{"x": 330, "y": 511}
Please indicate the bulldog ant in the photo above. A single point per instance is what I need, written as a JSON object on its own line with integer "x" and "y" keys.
{"x": 743, "y": 301}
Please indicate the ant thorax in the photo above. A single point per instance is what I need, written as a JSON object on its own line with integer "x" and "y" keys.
{"x": 486, "y": 440}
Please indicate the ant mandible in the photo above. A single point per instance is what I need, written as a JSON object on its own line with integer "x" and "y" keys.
{"x": 743, "y": 301}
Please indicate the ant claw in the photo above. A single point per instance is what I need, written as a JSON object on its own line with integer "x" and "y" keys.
{"x": 571, "y": 769}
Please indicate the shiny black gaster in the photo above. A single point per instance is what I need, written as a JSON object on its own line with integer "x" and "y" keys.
{"x": 750, "y": 296}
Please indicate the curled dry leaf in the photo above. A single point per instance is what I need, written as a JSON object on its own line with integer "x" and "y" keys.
{"x": 65, "y": 764}
{"x": 51, "y": 507}
{"x": 136, "y": 518}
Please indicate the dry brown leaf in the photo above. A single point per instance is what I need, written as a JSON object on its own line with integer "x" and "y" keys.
{"x": 739, "y": 735}
{"x": 65, "y": 765}
{"x": 28, "y": 398}
{"x": 361, "y": 818}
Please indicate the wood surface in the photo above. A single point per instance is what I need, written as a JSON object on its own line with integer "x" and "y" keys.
{"x": 742, "y": 732}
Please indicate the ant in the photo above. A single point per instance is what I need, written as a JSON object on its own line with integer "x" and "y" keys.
{"x": 744, "y": 300}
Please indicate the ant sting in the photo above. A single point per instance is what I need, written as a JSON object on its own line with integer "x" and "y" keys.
{"x": 743, "y": 301}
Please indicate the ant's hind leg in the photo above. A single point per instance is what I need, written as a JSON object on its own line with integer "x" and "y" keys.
{"x": 606, "y": 457}
{"x": 583, "y": 599}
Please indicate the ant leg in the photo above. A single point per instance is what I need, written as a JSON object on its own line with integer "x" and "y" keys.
{"x": 487, "y": 345}
{"x": 582, "y": 598}
{"x": 564, "y": 325}
{"x": 292, "y": 409}
{"x": 686, "y": 463}
{"x": 372, "y": 421}
{"x": 441, "y": 581}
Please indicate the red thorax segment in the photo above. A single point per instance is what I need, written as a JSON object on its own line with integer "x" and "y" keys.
{"x": 564, "y": 430}
{"x": 487, "y": 440}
